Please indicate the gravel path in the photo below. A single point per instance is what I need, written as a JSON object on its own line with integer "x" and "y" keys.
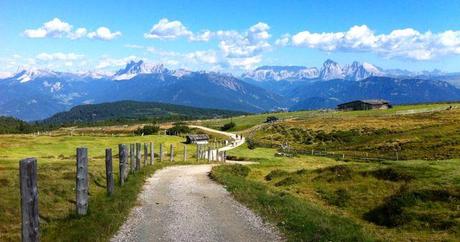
{"x": 182, "y": 203}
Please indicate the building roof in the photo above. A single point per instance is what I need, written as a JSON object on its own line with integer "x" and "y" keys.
{"x": 369, "y": 101}
{"x": 197, "y": 137}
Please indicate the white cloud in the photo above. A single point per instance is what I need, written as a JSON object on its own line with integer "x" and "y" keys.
{"x": 166, "y": 29}
{"x": 57, "y": 28}
{"x": 404, "y": 43}
{"x": 249, "y": 44}
{"x": 104, "y": 33}
{"x": 54, "y": 28}
{"x": 207, "y": 57}
{"x": 58, "y": 56}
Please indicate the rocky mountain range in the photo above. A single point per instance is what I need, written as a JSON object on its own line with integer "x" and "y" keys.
{"x": 33, "y": 94}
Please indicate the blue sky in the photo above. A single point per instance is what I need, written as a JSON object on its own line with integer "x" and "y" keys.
{"x": 230, "y": 36}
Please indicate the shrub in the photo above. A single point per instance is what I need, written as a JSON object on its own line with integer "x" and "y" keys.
{"x": 239, "y": 170}
{"x": 288, "y": 181}
{"x": 391, "y": 174}
{"x": 228, "y": 126}
{"x": 339, "y": 198}
{"x": 251, "y": 144}
{"x": 393, "y": 213}
{"x": 275, "y": 173}
{"x": 147, "y": 130}
{"x": 178, "y": 128}
{"x": 335, "y": 173}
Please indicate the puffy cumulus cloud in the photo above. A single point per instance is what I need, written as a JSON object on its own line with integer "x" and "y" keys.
{"x": 404, "y": 43}
{"x": 54, "y": 28}
{"x": 235, "y": 49}
{"x": 245, "y": 45}
{"x": 57, "y": 28}
{"x": 104, "y": 33}
{"x": 166, "y": 29}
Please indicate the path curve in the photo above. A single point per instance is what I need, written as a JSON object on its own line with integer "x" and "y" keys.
{"x": 181, "y": 203}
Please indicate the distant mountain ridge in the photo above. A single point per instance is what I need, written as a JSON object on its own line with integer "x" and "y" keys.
{"x": 33, "y": 94}
{"x": 332, "y": 70}
{"x": 37, "y": 94}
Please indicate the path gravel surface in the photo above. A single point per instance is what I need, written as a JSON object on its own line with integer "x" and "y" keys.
{"x": 182, "y": 203}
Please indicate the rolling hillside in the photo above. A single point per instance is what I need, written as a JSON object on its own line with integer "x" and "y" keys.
{"x": 132, "y": 110}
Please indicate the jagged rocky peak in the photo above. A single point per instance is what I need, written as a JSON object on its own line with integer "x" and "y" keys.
{"x": 277, "y": 73}
{"x": 331, "y": 70}
{"x": 134, "y": 68}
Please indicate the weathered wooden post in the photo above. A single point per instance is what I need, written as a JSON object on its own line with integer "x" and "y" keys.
{"x": 138, "y": 156}
{"x": 109, "y": 171}
{"x": 82, "y": 181}
{"x": 171, "y": 153}
{"x": 131, "y": 157}
{"x": 122, "y": 157}
{"x": 217, "y": 155}
{"x": 209, "y": 154}
{"x": 146, "y": 153}
{"x": 197, "y": 152}
{"x": 152, "y": 153}
{"x": 161, "y": 152}
{"x": 30, "y": 223}
{"x": 185, "y": 153}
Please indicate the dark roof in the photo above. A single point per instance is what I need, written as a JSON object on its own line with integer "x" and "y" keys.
{"x": 197, "y": 137}
{"x": 369, "y": 101}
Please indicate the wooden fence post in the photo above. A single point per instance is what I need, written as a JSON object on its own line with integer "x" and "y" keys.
{"x": 109, "y": 171}
{"x": 131, "y": 157}
{"x": 138, "y": 156}
{"x": 146, "y": 153}
{"x": 152, "y": 153}
{"x": 82, "y": 181}
{"x": 122, "y": 157}
{"x": 30, "y": 223}
{"x": 161, "y": 152}
{"x": 171, "y": 153}
{"x": 197, "y": 152}
{"x": 209, "y": 154}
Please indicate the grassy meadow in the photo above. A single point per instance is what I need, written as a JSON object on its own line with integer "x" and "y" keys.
{"x": 411, "y": 196}
{"x": 56, "y": 183}
{"x": 321, "y": 199}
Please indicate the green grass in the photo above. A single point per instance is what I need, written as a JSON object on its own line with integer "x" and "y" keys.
{"x": 247, "y": 121}
{"x": 299, "y": 220}
{"x": 56, "y": 184}
{"x": 421, "y": 197}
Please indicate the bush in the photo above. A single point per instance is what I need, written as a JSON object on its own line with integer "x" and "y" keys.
{"x": 288, "y": 181}
{"x": 275, "y": 173}
{"x": 147, "y": 130}
{"x": 339, "y": 198}
{"x": 228, "y": 126}
{"x": 390, "y": 174}
{"x": 393, "y": 212}
{"x": 178, "y": 128}
{"x": 238, "y": 170}
{"x": 251, "y": 144}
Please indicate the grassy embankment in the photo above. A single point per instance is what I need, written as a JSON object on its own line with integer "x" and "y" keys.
{"x": 317, "y": 198}
{"x": 320, "y": 199}
{"x": 56, "y": 183}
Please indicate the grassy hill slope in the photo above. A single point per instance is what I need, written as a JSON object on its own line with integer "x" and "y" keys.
{"x": 123, "y": 111}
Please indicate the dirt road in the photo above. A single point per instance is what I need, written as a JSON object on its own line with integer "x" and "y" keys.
{"x": 182, "y": 204}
